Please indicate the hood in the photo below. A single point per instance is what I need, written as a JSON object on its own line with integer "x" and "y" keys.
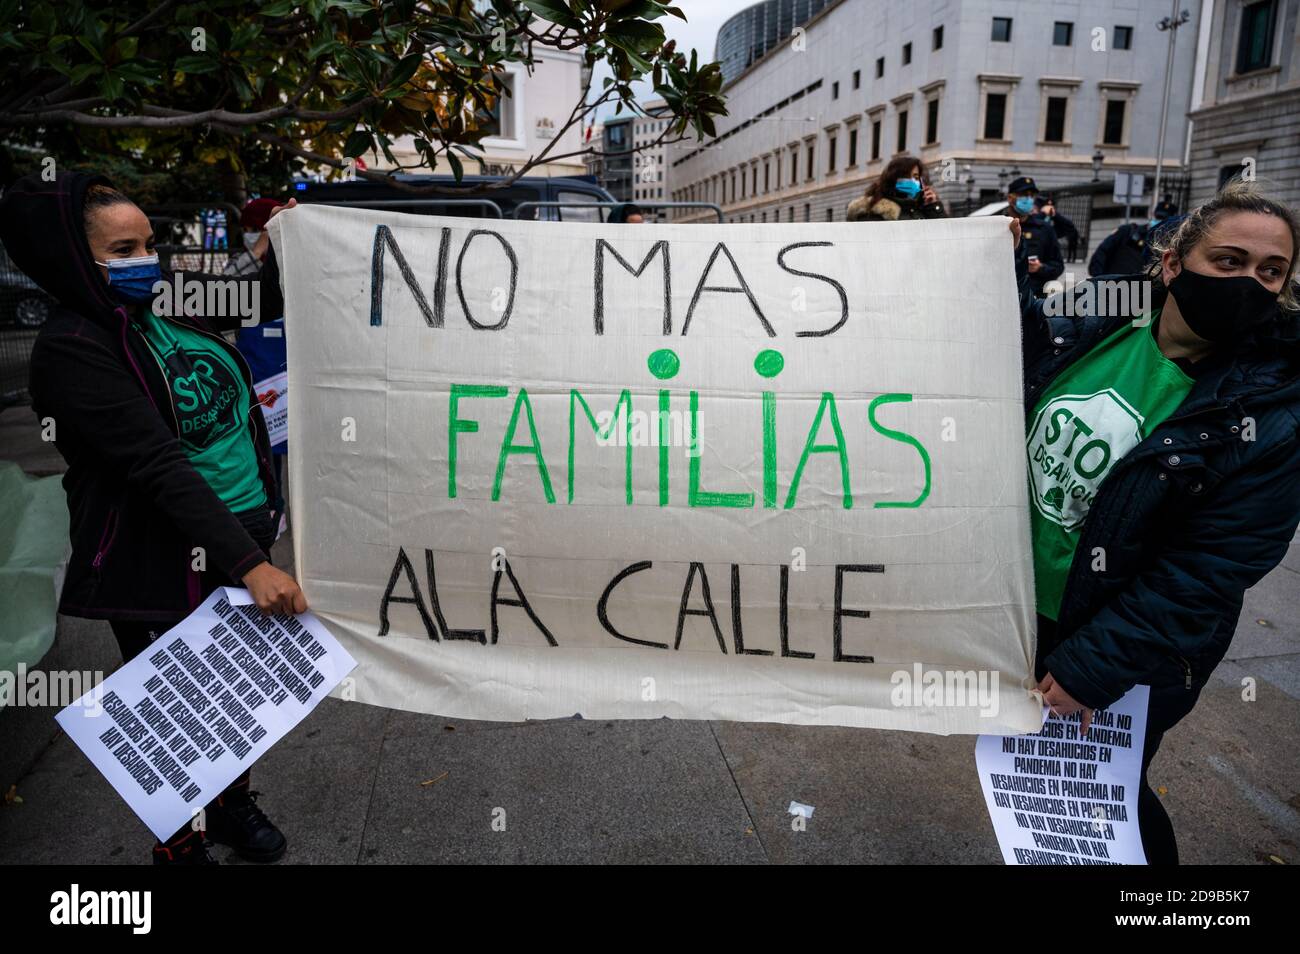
{"x": 888, "y": 209}
{"x": 42, "y": 227}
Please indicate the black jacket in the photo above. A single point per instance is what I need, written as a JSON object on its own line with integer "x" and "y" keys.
{"x": 137, "y": 507}
{"x": 892, "y": 210}
{"x": 1187, "y": 521}
{"x": 1122, "y": 252}
{"x": 1038, "y": 237}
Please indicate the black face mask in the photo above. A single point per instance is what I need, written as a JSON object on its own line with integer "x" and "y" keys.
{"x": 1221, "y": 309}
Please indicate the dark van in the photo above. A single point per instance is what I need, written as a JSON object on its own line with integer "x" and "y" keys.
{"x": 572, "y": 190}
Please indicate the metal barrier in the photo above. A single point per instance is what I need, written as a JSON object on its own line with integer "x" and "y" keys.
{"x": 717, "y": 209}
{"x": 404, "y": 204}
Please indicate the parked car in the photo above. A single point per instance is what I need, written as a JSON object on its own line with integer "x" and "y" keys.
{"x": 22, "y": 303}
{"x": 579, "y": 190}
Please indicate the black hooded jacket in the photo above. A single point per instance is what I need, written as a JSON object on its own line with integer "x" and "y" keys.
{"x": 143, "y": 521}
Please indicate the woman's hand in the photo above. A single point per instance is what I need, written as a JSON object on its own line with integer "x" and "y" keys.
{"x": 274, "y": 591}
{"x": 929, "y": 196}
{"x": 1062, "y": 703}
{"x": 1014, "y": 224}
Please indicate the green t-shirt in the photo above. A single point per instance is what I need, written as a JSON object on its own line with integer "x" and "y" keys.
{"x": 212, "y": 405}
{"x": 1096, "y": 411}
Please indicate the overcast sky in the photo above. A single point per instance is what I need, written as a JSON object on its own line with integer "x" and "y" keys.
{"x": 698, "y": 31}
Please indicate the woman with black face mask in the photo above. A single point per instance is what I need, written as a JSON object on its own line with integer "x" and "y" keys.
{"x": 1164, "y": 463}
{"x": 171, "y": 492}
{"x": 903, "y": 191}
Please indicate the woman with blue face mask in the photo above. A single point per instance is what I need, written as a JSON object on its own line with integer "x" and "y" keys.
{"x": 171, "y": 491}
{"x": 902, "y": 192}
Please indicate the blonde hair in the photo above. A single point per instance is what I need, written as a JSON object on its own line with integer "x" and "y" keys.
{"x": 1236, "y": 195}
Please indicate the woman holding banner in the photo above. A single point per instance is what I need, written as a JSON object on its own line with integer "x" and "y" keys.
{"x": 169, "y": 482}
{"x": 1164, "y": 463}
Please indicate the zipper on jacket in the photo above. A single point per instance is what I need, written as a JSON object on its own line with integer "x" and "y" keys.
{"x": 106, "y": 538}
{"x": 1187, "y": 668}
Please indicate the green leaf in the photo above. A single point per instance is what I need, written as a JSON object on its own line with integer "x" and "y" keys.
{"x": 201, "y": 63}
{"x": 457, "y": 169}
{"x": 557, "y": 11}
{"x": 357, "y": 144}
{"x": 405, "y": 69}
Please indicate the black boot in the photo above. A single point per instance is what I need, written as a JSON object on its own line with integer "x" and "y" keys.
{"x": 188, "y": 849}
{"x": 234, "y": 819}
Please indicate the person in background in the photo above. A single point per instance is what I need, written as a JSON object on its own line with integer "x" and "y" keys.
{"x": 1128, "y": 248}
{"x": 1037, "y": 237}
{"x": 628, "y": 213}
{"x": 262, "y": 345}
{"x": 902, "y": 191}
{"x": 167, "y": 452}
{"x": 249, "y": 259}
{"x": 1163, "y": 450}
{"x": 1062, "y": 225}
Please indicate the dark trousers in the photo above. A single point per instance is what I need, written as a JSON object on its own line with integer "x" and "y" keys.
{"x": 135, "y": 638}
{"x": 1165, "y": 709}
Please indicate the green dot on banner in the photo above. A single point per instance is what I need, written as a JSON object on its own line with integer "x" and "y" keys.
{"x": 769, "y": 363}
{"x": 664, "y": 363}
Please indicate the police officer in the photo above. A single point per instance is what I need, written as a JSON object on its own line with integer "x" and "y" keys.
{"x": 1037, "y": 237}
{"x": 1064, "y": 227}
{"x": 1126, "y": 251}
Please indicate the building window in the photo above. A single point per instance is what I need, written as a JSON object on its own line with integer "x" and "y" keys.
{"x": 880, "y": 67}
{"x": 1123, "y": 38}
{"x": 1228, "y": 173}
{"x": 853, "y": 146}
{"x": 1062, "y": 33}
{"x": 794, "y": 166}
{"x": 835, "y": 90}
{"x": 932, "y": 122}
{"x": 812, "y": 169}
{"x": 830, "y": 215}
{"x": 875, "y": 139}
{"x": 1255, "y": 50}
{"x": 807, "y": 212}
{"x": 1113, "y": 130}
{"x": 907, "y": 53}
{"x": 936, "y": 38}
{"x": 767, "y": 176}
{"x": 830, "y": 154}
{"x": 1001, "y": 29}
{"x": 857, "y": 79}
{"x": 902, "y": 130}
{"x": 1054, "y": 128}
{"x": 995, "y": 115}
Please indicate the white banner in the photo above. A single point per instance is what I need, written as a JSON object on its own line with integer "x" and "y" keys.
{"x": 758, "y": 472}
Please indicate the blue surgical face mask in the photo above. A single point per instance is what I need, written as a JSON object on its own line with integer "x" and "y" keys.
{"x": 1024, "y": 204}
{"x": 908, "y": 188}
{"x": 1154, "y": 222}
{"x": 131, "y": 280}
